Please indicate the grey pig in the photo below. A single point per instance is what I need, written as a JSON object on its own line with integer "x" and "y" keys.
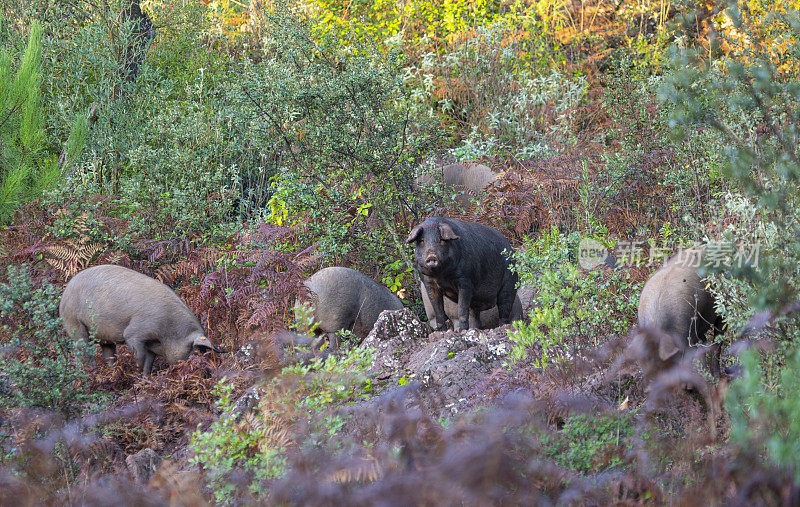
{"x": 489, "y": 319}
{"x": 464, "y": 261}
{"x": 343, "y": 298}
{"x": 676, "y": 302}
{"x": 474, "y": 178}
{"x": 124, "y": 306}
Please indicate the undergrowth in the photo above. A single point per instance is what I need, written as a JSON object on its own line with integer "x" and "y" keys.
{"x": 41, "y": 366}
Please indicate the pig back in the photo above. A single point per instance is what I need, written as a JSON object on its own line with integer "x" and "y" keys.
{"x": 343, "y": 298}
{"x": 675, "y": 300}
{"x": 472, "y": 177}
{"x": 107, "y": 298}
{"x": 482, "y": 260}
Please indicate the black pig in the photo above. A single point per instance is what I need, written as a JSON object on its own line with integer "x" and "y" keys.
{"x": 465, "y": 262}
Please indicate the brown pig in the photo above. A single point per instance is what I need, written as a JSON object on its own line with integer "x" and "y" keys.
{"x": 676, "y": 301}
{"x": 467, "y": 178}
{"x": 343, "y": 298}
{"x": 123, "y": 306}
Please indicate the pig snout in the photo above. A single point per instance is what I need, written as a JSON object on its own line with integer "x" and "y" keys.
{"x": 431, "y": 261}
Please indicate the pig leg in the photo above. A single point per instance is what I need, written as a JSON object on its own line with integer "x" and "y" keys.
{"x": 109, "y": 352}
{"x": 436, "y": 297}
{"x": 714, "y": 366}
{"x": 139, "y": 350}
{"x": 333, "y": 341}
{"x": 505, "y": 303}
{"x": 475, "y": 320}
{"x": 465, "y": 292}
{"x": 76, "y": 330}
{"x": 149, "y": 357}
{"x": 135, "y": 337}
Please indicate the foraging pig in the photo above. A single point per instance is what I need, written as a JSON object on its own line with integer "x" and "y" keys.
{"x": 489, "y": 319}
{"x": 343, "y": 298}
{"x": 474, "y": 178}
{"x": 465, "y": 262}
{"x": 123, "y": 306}
{"x": 675, "y": 301}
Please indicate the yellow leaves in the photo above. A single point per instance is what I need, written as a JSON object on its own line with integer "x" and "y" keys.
{"x": 278, "y": 211}
{"x": 768, "y": 36}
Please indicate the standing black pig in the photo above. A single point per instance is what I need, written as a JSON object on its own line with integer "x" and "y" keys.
{"x": 465, "y": 262}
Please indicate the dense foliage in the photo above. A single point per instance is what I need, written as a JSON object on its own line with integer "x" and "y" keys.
{"x": 229, "y": 149}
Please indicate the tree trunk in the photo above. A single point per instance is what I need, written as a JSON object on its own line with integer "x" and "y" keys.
{"x": 141, "y": 36}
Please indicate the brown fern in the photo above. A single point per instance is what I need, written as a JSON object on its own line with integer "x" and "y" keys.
{"x": 75, "y": 252}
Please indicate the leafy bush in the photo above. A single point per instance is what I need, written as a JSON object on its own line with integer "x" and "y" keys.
{"x": 572, "y": 309}
{"x": 658, "y": 180}
{"x": 44, "y": 367}
{"x": 174, "y": 143}
{"x": 590, "y": 443}
{"x": 333, "y": 381}
{"x": 749, "y": 103}
{"x": 484, "y": 88}
{"x": 225, "y": 448}
{"x": 304, "y": 395}
{"x": 748, "y": 99}
{"x": 380, "y": 19}
{"x": 766, "y": 420}
{"x": 349, "y": 143}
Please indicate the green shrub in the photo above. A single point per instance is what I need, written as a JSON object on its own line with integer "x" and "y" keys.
{"x": 767, "y": 420}
{"x": 338, "y": 109}
{"x": 746, "y": 101}
{"x": 415, "y": 19}
{"x": 26, "y": 169}
{"x": 175, "y": 145}
{"x": 307, "y": 394}
{"x": 334, "y": 380}
{"x": 43, "y": 365}
{"x": 565, "y": 308}
{"x": 590, "y": 443}
{"x": 749, "y": 104}
{"x": 485, "y": 88}
{"x": 572, "y": 308}
{"x": 226, "y": 447}
{"x": 673, "y": 182}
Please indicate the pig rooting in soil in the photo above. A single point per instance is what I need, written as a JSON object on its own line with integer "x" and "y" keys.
{"x": 120, "y": 305}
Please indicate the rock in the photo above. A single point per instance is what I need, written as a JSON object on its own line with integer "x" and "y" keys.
{"x": 143, "y": 465}
{"x": 447, "y": 365}
{"x": 246, "y": 403}
{"x": 395, "y": 335}
{"x": 456, "y": 363}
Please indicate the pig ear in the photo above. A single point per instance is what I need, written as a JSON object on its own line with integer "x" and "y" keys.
{"x": 447, "y": 233}
{"x": 203, "y": 341}
{"x": 666, "y": 348}
{"x": 414, "y": 234}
